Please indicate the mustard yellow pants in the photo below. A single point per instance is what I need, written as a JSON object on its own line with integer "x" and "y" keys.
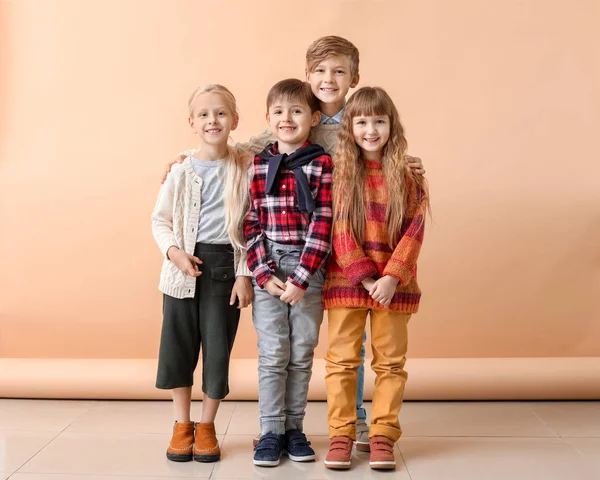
{"x": 389, "y": 341}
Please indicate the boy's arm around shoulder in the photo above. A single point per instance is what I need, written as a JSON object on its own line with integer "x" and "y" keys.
{"x": 256, "y": 144}
{"x": 403, "y": 262}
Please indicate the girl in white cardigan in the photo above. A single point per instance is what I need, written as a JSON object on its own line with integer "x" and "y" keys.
{"x": 197, "y": 226}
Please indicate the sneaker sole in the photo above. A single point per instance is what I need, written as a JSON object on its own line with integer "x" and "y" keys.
{"x": 207, "y": 458}
{"x": 337, "y": 465}
{"x": 266, "y": 463}
{"x": 382, "y": 465}
{"x": 178, "y": 457}
{"x": 363, "y": 447}
{"x": 305, "y": 458}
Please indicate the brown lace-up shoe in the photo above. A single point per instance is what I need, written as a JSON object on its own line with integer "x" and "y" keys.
{"x": 182, "y": 442}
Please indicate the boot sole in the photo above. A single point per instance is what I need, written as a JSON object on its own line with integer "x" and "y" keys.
{"x": 337, "y": 465}
{"x": 266, "y": 463}
{"x": 306, "y": 458}
{"x": 382, "y": 465}
{"x": 207, "y": 458}
{"x": 178, "y": 457}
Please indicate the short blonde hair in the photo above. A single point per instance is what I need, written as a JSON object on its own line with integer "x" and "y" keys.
{"x": 330, "y": 46}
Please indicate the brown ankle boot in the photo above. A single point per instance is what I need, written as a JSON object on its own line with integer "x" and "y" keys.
{"x": 182, "y": 442}
{"x": 206, "y": 447}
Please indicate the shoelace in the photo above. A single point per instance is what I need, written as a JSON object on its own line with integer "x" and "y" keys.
{"x": 270, "y": 441}
{"x": 283, "y": 253}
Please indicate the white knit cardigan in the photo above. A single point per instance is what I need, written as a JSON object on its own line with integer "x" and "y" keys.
{"x": 175, "y": 223}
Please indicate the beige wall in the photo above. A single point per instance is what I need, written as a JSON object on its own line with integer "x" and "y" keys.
{"x": 500, "y": 99}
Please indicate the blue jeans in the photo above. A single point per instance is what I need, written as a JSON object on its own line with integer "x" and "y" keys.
{"x": 287, "y": 337}
{"x": 360, "y": 383}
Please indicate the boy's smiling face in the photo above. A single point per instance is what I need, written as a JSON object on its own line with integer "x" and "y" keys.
{"x": 331, "y": 79}
{"x": 290, "y": 122}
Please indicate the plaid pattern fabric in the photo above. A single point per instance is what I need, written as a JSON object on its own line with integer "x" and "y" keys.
{"x": 277, "y": 218}
{"x": 335, "y": 120}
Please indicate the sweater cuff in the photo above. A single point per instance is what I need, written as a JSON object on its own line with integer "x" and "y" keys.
{"x": 360, "y": 270}
{"x": 242, "y": 268}
{"x": 399, "y": 270}
{"x": 164, "y": 247}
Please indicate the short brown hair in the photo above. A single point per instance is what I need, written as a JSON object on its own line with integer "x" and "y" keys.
{"x": 330, "y": 46}
{"x": 294, "y": 90}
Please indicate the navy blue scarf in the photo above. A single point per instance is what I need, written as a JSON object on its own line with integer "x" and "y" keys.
{"x": 293, "y": 162}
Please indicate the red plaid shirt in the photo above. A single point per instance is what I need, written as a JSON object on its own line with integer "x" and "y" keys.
{"x": 277, "y": 218}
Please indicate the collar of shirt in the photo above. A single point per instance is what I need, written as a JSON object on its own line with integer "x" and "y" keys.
{"x": 335, "y": 120}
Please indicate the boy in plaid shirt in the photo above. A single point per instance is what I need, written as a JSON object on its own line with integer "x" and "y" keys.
{"x": 288, "y": 234}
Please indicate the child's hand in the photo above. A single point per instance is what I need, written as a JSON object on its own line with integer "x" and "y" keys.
{"x": 242, "y": 289}
{"x": 293, "y": 294}
{"x": 274, "y": 286}
{"x": 184, "y": 261}
{"x": 178, "y": 159}
{"x": 383, "y": 290}
{"x": 416, "y": 164}
{"x": 368, "y": 283}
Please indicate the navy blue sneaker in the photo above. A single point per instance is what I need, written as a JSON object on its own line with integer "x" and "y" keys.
{"x": 269, "y": 450}
{"x": 298, "y": 447}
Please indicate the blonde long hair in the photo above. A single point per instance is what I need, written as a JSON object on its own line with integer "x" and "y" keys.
{"x": 236, "y": 193}
{"x": 349, "y": 168}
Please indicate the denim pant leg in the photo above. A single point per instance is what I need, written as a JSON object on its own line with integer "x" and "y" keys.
{"x": 270, "y": 318}
{"x": 361, "y": 413}
{"x": 305, "y": 323}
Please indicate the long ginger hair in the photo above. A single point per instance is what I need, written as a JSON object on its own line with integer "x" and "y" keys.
{"x": 349, "y": 171}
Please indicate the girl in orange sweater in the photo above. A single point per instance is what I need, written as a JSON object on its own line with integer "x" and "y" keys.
{"x": 379, "y": 212}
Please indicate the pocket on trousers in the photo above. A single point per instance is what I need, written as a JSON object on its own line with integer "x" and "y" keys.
{"x": 221, "y": 280}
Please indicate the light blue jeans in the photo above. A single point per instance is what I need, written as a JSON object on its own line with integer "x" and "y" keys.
{"x": 287, "y": 337}
{"x": 360, "y": 383}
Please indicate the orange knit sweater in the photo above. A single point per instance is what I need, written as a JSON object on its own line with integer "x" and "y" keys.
{"x": 351, "y": 263}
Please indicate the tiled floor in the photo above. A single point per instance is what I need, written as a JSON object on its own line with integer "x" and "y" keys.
{"x": 101, "y": 440}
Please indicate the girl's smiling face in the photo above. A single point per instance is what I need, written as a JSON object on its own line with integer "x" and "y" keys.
{"x": 212, "y": 120}
{"x": 371, "y": 133}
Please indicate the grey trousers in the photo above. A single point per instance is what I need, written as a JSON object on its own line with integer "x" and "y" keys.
{"x": 287, "y": 337}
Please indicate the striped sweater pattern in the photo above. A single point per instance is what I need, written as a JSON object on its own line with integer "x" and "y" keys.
{"x": 350, "y": 263}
